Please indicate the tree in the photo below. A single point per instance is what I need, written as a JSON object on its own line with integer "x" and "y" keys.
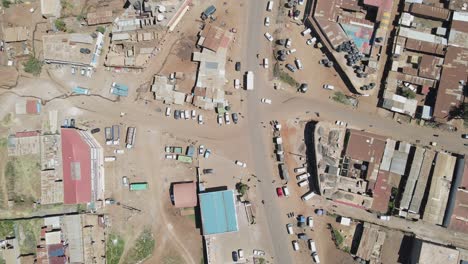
{"x": 408, "y": 93}
{"x": 459, "y": 112}
{"x": 101, "y": 29}
{"x": 6, "y": 3}
{"x": 33, "y": 66}
{"x": 60, "y": 25}
{"x": 242, "y": 188}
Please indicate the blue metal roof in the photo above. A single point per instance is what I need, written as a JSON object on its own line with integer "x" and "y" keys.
{"x": 218, "y": 212}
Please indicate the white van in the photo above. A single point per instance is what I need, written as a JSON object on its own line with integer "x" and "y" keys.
{"x": 269, "y": 6}
{"x": 265, "y": 63}
{"x": 289, "y": 227}
{"x": 306, "y": 31}
{"x": 308, "y": 196}
{"x": 295, "y": 245}
{"x": 298, "y": 64}
{"x": 168, "y": 111}
{"x": 300, "y": 170}
{"x": 312, "y": 246}
{"x": 285, "y": 191}
{"x": 328, "y": 87}
{"x": 303, "y": 176}
{"x": 303, "y": 183}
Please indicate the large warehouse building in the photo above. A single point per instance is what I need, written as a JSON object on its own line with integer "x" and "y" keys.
{"x": 83, "y": 170}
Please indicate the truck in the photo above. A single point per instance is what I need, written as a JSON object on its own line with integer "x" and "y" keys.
{"x": 308, "y": 195}
{"x": 138, "y": 186}
{"x": 108, "y": 135}
{"x": 209, "y": 11}
{"x": 284, "y": 172}
{"x": 190, "y": 151}
{"x": 249, "y": 81}
{"x": 80, "y": 90}
{"x": 130, "y": 139}
{"x": 116, "y": 134}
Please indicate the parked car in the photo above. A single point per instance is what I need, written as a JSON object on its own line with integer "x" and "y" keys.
{"x": 316, "y": 257}
{"x": 171, "y": 156}
{"x": 237, "y": 84}
{"x": 310, "y": 221}
{"x": 73, "y": 70}
{"x": 290, "y": 67}
{"x": 288, "y": 43}
{"x": 194, "y": 114}
{"x": 298, "y": 64}
{"x": 328, "y": 87}
{"x": 306, "y": 31}
{"x": 176, "y": 114}
{"x": 258, "y": 252}
{"x": 300, "y": 2}
{"x": 200, "y": 119}
{"x": 281, "y": 42}
{"x": 291, "y": 51}
{"x": 201, "y": 149}
{"x": 279, "y": 192}
{"x": 125, "y": 181}
{"x": 268, "y": 36}
{"x": 285, "y": 191}
{"x": 207, "y": 153}
{"x": 235, "y": 118}
{"x": 85, "y": 50}
{"x": 95, "y": 130}
{"x": 384, "y": 217}
{"x": 266, "y": 101}
{"x": 265, "y": 63}
{"x": 234, "y": 256}
{"x": 295, "y": 245}
{"x": 240, "y": 252}
{"x": 226, "y": 118}
{"x": 82, "y": 71}
{"x": 240, "y": 163}
{"x": 303, "y": 87}
{"x": 208, "y": 171}
{"x": 464, "y": 136}
{"x": 220, "y": 119}
{"x": 289, "y": 228}
{"x": 340, "y": 123}
{"x": 72, "y": 122}
{"x": 267, "y": 22}
{"x": 311, "y": 41}
{"x": 168, "y": 111}
{"x": 238, "y": 66}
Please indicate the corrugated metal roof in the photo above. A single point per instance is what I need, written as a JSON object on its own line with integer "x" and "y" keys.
{"x": 218, "y": 212}
{"x": 72, "y": 230}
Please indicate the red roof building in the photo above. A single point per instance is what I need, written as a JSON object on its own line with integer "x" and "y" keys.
{"x": 382, "y": 192}
{"x": 459, "y": 218}
{"x": 185, "y": 194}
{"x": 76, "y": 168}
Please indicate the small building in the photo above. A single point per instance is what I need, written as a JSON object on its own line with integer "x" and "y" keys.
{"x": 218, "y": 212}
{"x": 185, "y": 194}
{"x": 138, "y": 186}
{"x": 51, "y": 8}
{"x": 15, "y": 34}
{"x": 345, "y": 221}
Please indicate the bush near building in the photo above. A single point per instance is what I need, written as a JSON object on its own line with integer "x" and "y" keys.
{"x": 101, "y": 29}
{"x": 33, "y": 66}
{"x": 60, "y": 25}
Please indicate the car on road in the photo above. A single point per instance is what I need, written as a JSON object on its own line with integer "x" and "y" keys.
{"x": 295, "y": 245}
{"x": 238, "y": 66}
{"x": 265, "y": 63}
{"x": 464, "y": 136}
{"x": 235, "y": 118}
{"x": 85, "y": 50}
{"x": 303, "y": 88}
{"x": 200, "y": 119}
{"x": 288, "y": 43}
{"x": 240, "y": 252}
{"x": 125, "y": 181}
{"x": 226, "y": 118}
{"x": 207, "y": 153}
{"x": 240, "y": 163}
{"x": 267, "y": 21}
{"x": 279, "y": 192}
{"x": 289, "y": 228}
{"x": 290, "y": 67}
{"x": 220, "y": 119}
{"x": 328, "y": 87}
{"x": 234, "y": 256}
{"x": 201, "y": 149}
{"x": 268, "y": 36}
{"x": 266, "y": 101}
{"x": 95, "y": 130}
{"x": 311, "y": 41}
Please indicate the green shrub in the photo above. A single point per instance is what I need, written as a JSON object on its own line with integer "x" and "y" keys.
{"x": 101, "y": 29}
{"x": 6, "y": 3}
{"x": 33, "y": 66}
{"x": 60, "y": 25}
